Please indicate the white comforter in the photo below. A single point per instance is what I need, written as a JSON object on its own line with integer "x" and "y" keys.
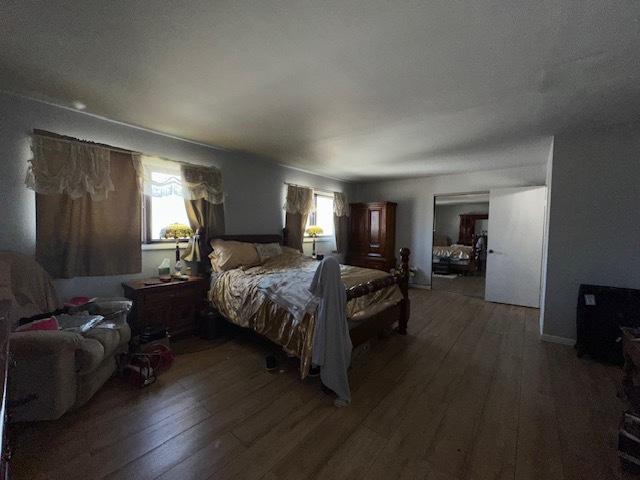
{"x": 290, "y": 290}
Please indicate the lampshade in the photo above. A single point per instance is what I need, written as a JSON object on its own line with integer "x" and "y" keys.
{"x": 314, "y": 230}
{"x": 176, "y": 230}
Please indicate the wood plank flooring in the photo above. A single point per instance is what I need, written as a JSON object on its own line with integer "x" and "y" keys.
{"x": 470, "y": 285}
{"x": 469, "y": 393}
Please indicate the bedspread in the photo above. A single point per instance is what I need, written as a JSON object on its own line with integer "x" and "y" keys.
{"x": 237, "y": 296}
{"x": 454, "y": 252}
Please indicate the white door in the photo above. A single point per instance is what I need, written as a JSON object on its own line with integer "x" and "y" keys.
{"x": 514, "y": 258}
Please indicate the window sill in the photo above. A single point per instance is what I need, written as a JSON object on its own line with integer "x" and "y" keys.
{"x": 163, "y": 246}
{"x": 323, "y": 239}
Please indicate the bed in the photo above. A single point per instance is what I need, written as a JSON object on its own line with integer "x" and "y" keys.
{"x": 454, "y": 259}
{"x": 376, "y": 300}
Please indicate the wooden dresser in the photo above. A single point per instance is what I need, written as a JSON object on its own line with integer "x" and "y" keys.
{"x": 372, "y": 235}
{"x": 174, "y": 305}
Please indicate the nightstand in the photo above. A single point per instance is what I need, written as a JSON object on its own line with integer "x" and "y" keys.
{"x": 174, "y": 305}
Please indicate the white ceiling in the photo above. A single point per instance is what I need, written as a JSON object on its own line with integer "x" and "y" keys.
{"x": 352, "y": 89}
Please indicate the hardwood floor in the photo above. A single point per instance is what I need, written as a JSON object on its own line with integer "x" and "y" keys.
{"x": 469, "y": 393}
{"x": 470, "y": 285}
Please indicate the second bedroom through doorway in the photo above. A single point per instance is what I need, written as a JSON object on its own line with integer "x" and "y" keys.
{"x": 461, "y": 227}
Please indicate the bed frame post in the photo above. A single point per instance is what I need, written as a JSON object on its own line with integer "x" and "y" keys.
{"x": 405, "y": 304}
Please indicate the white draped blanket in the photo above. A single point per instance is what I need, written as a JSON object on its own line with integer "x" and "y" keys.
{"x": 290, "y": 290}
{"x": 331, "y": 341}
{"x": 321, "y": 291}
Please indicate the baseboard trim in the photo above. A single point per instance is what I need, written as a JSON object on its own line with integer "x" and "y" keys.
{"x": 555, "y": 339}
{"x": 420, "y": 286}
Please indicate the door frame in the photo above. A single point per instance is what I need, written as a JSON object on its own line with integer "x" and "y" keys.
{"x": 433, "y": 222}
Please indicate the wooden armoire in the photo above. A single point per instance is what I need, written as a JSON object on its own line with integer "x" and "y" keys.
{"x": 468, "y": 226}
{"x": 372, "y": 235}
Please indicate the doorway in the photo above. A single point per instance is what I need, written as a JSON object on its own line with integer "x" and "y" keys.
{"x": 460, "y": 239}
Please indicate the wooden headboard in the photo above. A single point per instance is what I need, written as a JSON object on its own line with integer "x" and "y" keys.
{"x": 259, "y": 238}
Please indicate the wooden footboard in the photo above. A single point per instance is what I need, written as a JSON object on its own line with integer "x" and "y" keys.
{"x": 397, "y": 313}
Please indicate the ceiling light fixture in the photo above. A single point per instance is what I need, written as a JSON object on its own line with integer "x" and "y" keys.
{"x": 79, "y": 105}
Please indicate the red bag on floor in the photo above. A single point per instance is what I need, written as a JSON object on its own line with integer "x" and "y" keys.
{"x": 160, "y": 357}
{"x": 144, "y": 367}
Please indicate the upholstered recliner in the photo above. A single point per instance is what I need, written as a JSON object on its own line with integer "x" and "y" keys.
{"x": 55, "y": 371}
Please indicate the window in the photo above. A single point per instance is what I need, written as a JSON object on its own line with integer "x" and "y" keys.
{"x": 322, "y": 215}
{"x": 164, "y": 206}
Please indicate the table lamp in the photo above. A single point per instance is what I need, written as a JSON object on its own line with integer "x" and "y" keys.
{"x": 313, "y": 231}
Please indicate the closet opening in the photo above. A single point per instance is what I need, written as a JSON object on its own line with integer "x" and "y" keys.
{"x": 460, "y": 236}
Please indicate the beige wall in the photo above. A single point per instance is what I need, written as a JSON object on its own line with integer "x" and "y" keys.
{"x": 254, "y": 186}
{"x": 414, "y": 222}
{"x": 447, "y": 217}
{"x": 594, "y": 222}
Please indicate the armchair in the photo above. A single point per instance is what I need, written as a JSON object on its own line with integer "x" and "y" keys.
{"x": 56, "y": 371}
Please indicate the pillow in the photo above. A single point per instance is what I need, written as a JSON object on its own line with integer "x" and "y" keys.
{"x": 268, "y": 250}
{"x": 40, "y": 316}
{"x": 45, "y": 324}
{"x": 227, "y": 255}
{"x": 290, "y": 251}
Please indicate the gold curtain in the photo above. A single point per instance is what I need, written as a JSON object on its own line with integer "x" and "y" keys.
{"x": 77, "y": 237}
{"x": 298, "y": 205}
{"x": 341, "y": 221}
{"x": 295, "y": 224}
{"x": 209, "y": 218}
{"x": 341, "y": 226}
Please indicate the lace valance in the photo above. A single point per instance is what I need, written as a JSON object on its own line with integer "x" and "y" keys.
{"x": 299, "y": 200}
{"x": 202, "y": 182}
{"x": 77, "y": 168}
{"x": 161, "y": 178}
{"x": 74, "y": 168}
{"x": 340, "y": 205}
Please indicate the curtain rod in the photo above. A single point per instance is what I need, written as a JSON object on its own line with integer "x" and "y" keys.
{"x": 296, "y": 185}
{"x": 320, "y": 190}
{"x": 65, "y": 138}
